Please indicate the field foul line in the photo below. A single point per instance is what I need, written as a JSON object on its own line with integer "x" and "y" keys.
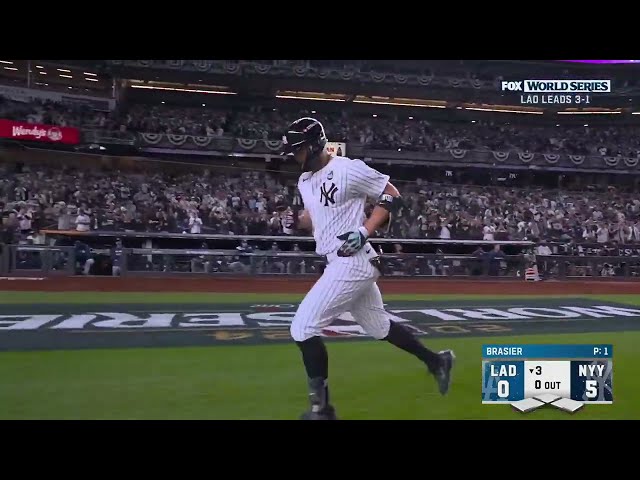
{"x": 274, "y": 329}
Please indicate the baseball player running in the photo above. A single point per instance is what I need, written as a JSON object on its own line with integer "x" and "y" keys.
{"x": 334, "y": 191}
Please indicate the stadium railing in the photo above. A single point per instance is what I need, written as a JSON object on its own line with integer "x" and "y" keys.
{"x": 30, "y": 260}
{"x": 557, "y": 247}
{"x": 75, "y": 235}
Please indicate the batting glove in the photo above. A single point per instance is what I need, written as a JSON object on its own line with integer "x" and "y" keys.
{"x": 353, "y": 242}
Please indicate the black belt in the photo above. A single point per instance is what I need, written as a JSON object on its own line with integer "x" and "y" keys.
{"x": 375, "y": 261}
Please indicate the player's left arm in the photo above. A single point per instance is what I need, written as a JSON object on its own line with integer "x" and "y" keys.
{"x": 386, "y": 206}
{"x": 366, "y": 181}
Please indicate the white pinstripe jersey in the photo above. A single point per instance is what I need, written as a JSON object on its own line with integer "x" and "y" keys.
{"x": 335, "y": 197}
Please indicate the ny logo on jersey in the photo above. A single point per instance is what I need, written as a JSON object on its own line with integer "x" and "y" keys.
{"x": 327, "y": 196}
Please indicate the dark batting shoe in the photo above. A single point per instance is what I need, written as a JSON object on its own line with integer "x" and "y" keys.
{"x": 443, "y": 373}
{"x": 329, "y": 413}
{"x": 320, "y": 409}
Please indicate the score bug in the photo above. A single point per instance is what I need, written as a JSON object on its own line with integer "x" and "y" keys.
{"x": 565, "y": 377}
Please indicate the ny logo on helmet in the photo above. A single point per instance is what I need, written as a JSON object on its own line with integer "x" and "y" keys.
{"x": 327, "y": 196}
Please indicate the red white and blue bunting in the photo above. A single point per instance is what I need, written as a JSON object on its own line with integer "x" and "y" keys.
{"x": 500, "y": 156}
{"x": 248, "y": 144}
{"x": 458, "y": 153}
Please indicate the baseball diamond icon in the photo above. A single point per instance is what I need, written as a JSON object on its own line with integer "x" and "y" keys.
{"x": 529, "y": 404}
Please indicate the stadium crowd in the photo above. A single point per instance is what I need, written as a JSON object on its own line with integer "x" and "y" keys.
{"x": 375, "y": 132}
{"x": 258, "y": 203}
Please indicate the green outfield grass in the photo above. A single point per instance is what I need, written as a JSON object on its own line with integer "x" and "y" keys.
{"x": 7, "y": 297}
{"x": 370, "y": 380}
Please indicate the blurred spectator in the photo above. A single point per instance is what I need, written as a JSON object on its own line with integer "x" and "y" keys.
{"x": 116, "y": 258}
{"x": 83, "y": 222}
{"x": 84, "y": 259}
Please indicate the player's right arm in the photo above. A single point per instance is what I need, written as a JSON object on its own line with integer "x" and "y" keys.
{"x": 298, "y": 221}
{"x": 304, "y": 221}
{"x": 298, "y": 218}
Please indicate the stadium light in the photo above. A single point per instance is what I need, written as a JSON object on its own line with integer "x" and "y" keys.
{"x": 67, "y": 76}
{"x": 295, "y": 97}
{"x": 399, "y": 102}
{"x": 189, "y": 90}
{"x": 506, "y": 110}
{"x": 589, "y": 113}
{"x": 10, "y": 68}
{"x": 91, "y": 79}
{"x": 63, "y": 70}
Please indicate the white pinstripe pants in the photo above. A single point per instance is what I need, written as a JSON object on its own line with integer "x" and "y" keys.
{"x": 348, "y": 284}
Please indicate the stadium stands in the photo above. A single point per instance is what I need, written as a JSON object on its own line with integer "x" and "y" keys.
{"x": 381, "y": 133}
{"x": 255, "y": 203}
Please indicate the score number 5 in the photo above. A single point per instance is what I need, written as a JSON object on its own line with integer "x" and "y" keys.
{"x": 591, "y": 388}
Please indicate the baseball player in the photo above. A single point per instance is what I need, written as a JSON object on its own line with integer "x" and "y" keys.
{"x": 334, "y": 192}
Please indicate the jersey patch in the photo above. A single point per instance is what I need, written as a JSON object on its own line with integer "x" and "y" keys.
{"x": 327, "y": 194}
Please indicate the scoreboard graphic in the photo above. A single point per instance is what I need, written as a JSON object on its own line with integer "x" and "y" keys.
{"x": 566, "y": 377}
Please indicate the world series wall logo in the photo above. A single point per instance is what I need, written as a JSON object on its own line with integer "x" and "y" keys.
{"x": 564, "y": 377}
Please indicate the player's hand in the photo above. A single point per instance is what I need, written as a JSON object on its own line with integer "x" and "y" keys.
{"x": 353, "y": 242}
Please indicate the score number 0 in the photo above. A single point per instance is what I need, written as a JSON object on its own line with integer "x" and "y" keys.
{"x": 503, "y": 389}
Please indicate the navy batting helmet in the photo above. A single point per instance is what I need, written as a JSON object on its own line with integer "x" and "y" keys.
{"x": 307, "y": 133}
